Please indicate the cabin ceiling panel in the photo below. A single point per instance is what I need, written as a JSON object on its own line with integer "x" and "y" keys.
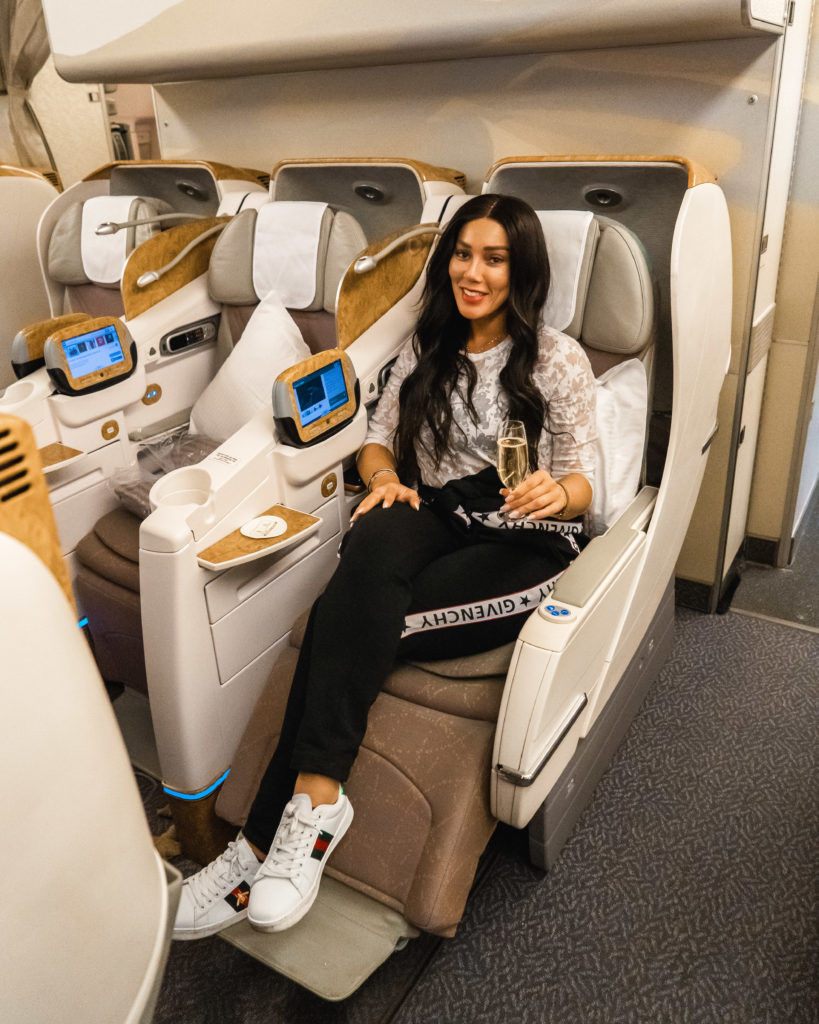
{"x": 177, "y": 40}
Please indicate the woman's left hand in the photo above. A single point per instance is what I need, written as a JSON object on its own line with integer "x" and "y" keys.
{"x": 538, "y": 497}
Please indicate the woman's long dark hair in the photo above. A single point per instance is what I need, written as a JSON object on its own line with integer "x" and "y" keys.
{"x": 442, "y": 333}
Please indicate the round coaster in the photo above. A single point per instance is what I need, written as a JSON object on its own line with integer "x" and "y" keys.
{"x": 264, "y": 527}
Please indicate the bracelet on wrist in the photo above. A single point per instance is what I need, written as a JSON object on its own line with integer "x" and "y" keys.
{"x": 562, "y": 513}
{"x": 386, "y": 469}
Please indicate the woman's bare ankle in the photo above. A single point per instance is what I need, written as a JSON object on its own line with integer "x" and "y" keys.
{"x": 258, "y": 853}
{"x": 320, "y": 788}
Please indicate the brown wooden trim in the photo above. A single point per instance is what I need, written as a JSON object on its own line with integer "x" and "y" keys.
{"x": 7, "y": 171}
{"x": 157, "y": 252}
{"x": 36, "y": 334}
{"x": 236, "y": 545}
{"x": 54, "y": 454}
{"x": 697, "y": 174}
{"x": 365, "y": 298}
{"x": 25, "y": 511}
{"x": 426, "y": 172}
{"x": 219, "y": 171}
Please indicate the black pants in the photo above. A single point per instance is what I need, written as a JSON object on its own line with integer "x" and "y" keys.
{"x": 409, "y": 585}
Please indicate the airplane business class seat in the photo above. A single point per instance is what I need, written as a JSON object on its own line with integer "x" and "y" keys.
{"x": 149, "y": 276}
{"x": 87, "y": 931}
{"x": 421, "y": 862}
{"x": 87, "y": 235}
{"x": 24, "y": 195}
{"x": 518, "y": 735}
{"x": 522, "y": 734}
{"x": 273, "y": 270}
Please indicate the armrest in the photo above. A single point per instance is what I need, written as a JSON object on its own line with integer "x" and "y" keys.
{"x": 241, "y": 479}
{"x": 561, "y": 656}
{"x": 584, "y": 576}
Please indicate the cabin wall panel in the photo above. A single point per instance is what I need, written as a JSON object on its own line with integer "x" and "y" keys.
{"x": 788, "y": 457}
{"x": 778, "y": 424}
{"x": 8, "y": 151}
{"x": 75, "y": 127}
{"x": 810, "y": 466}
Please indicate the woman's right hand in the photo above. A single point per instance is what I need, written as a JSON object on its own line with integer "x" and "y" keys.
{"x": 387, "y": 494}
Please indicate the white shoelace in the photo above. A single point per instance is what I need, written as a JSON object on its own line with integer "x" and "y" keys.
{"x": 208, "y": 884}
{"x": 291, "y": 844}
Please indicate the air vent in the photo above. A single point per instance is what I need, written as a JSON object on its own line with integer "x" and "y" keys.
{"x": 13, "y": 469}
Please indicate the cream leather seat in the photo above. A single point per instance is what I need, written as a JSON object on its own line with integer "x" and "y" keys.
{"x": 284, "y": 256}
{"x": 88, "y": 266}
{"x": 87, "y": 935}
{"x": 24, "y": 195}
{"x": 216, "y": 634}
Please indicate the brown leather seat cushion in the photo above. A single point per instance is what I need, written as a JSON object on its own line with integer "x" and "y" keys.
{"x": 111, "y": 550}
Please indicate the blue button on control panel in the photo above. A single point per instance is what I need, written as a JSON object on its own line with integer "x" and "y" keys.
{"x": 556, "y": 612}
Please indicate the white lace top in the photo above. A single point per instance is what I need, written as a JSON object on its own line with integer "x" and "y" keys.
{"x": 565, "y": 379}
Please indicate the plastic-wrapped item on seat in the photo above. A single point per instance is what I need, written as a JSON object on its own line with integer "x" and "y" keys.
{"x": 156, "y": 457}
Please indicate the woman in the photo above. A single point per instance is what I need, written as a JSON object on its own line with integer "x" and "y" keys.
{"x": 440, "y": 561}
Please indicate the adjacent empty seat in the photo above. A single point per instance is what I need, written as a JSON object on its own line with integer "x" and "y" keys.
{"x": 24, "y": 195}
{"x": 272, "y": 269}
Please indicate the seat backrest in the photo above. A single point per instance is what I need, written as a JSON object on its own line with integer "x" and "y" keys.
{"x": 89, "y": 264}
{"x": 601, "y": 293}
{"x": 102, "y": 902}
{"x": 300, "y": 250}
{"x": 24, "y": 195}
{"x": 282, "y": 264}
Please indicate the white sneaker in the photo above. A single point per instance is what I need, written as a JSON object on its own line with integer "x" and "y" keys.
{"x": 217, "y": 896}
{"x": 288, "y": 881}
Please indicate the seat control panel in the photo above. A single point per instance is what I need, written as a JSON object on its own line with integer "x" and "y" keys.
{"x": 191, "y": 335}
{"x": 556, "y": 612}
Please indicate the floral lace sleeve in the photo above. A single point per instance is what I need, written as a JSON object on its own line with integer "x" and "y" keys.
{"x": 384, "y": 421}
{"x": 565, "y": 378}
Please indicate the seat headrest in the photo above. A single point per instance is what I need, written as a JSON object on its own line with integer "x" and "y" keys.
{"x": 619, "y": 314}
{"x": 77, "y": 255}
{"x": 300, "y": 250}
{"x": 601, "y": 290}
{"x": 571, "y": 242}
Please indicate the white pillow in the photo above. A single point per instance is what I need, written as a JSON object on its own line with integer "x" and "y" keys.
{"x": 622, "y": 403}
{"x": 270, "y": 343}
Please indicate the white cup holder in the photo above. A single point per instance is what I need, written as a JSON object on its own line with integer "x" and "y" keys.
{"x": 190, "y": 485}
{"x": 18, "y": 391}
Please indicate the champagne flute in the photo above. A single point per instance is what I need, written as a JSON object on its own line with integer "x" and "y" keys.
{"x": 513, "y": 455}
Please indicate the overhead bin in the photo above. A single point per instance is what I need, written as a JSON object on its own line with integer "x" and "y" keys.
{"x": 180, "y": 40}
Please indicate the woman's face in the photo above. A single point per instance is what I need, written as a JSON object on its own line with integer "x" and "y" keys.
{"x": 479, "y": 271}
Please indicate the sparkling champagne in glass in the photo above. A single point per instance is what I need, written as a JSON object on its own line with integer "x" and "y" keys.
{"x": 513, "y": 453}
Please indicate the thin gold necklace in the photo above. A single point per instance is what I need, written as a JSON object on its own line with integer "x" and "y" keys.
{"x": 485, "y": 348}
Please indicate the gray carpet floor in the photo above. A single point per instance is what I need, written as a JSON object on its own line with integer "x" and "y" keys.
{"x": 790, "y": 594}
{"x": 687, "y": 891}
{"x": 686, "y": 895}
